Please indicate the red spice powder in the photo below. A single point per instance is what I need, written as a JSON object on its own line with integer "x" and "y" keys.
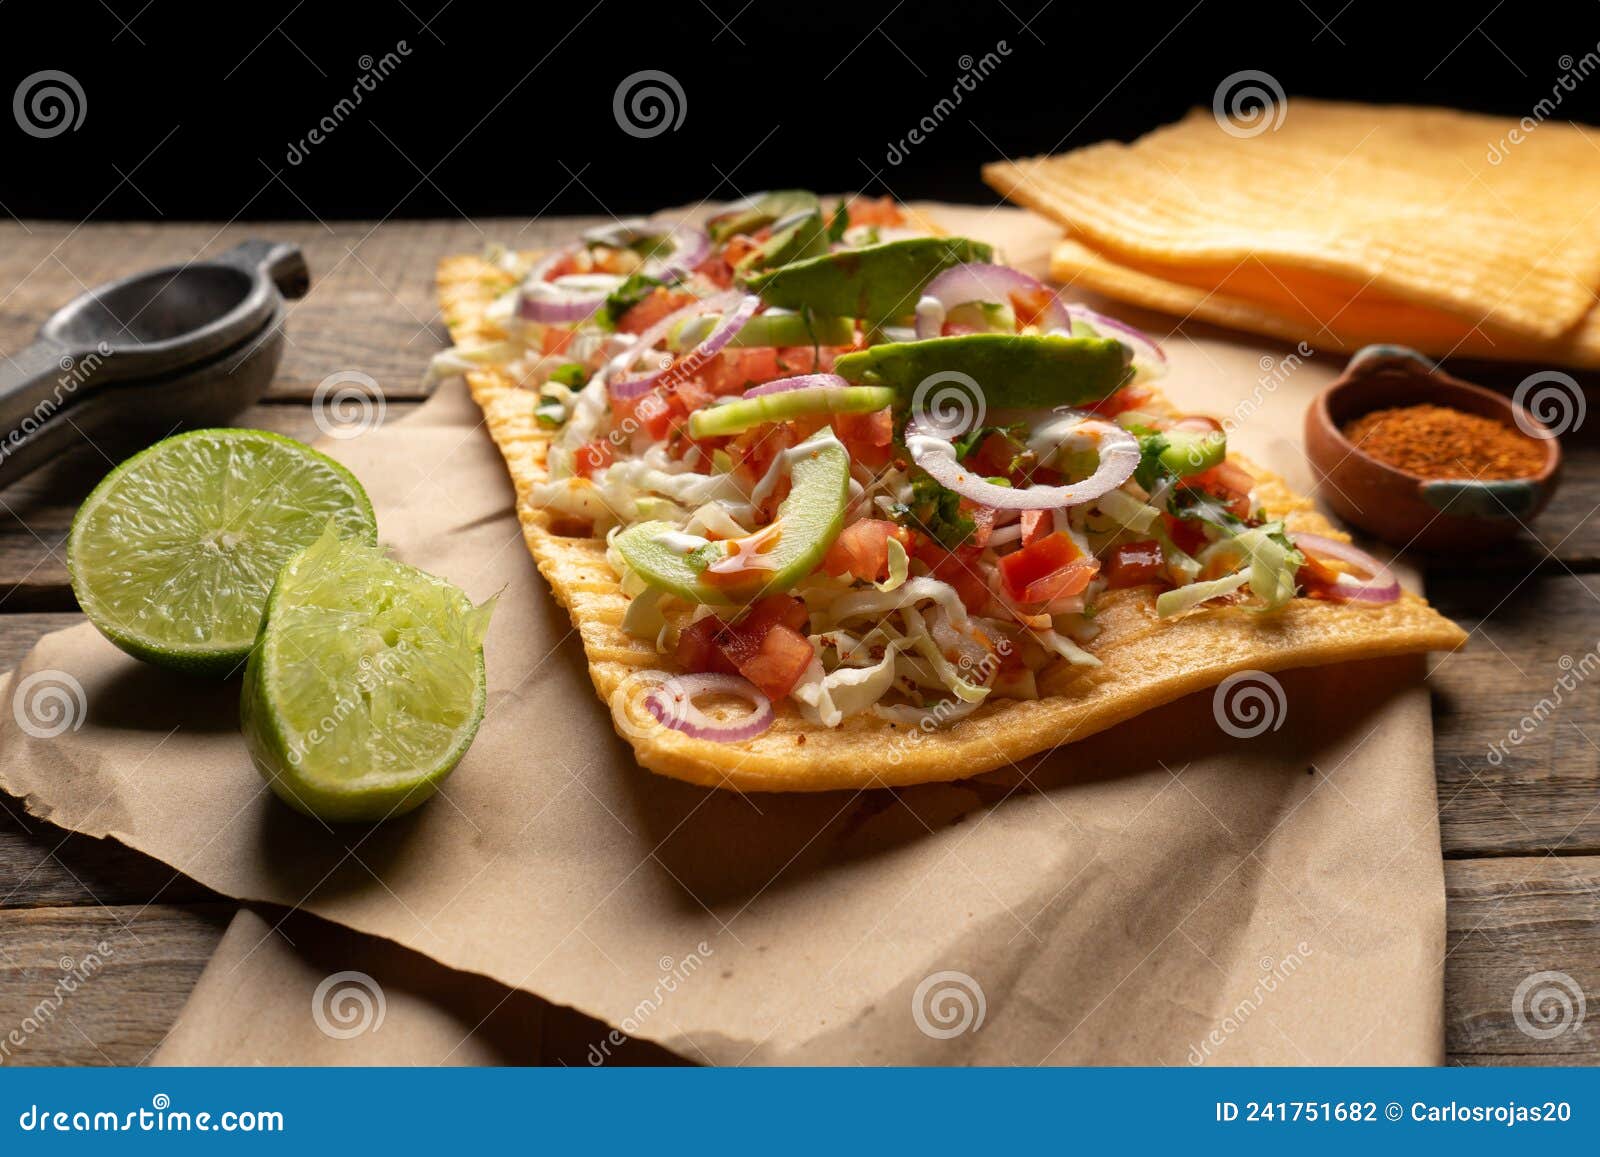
{"x": 1443, "y": 442}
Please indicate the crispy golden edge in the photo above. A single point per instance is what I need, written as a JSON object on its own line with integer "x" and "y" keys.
{"x": 1080, "y": 189}
{"x": 1075, "y": 264}
{"x": 1145, "y": 662}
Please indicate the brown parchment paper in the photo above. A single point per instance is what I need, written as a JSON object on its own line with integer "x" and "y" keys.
{"x": 1162, "y": 893}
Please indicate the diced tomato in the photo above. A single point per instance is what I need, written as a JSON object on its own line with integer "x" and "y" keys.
{"x": 862, "y": 549}
{"x": 765, "y": 646}
{"x": 1035, "y": 525}
{"x": 735, "y": 370}
{"x": 875, "y": 211}
{"x": 555, "y": 340}
{"x": 1030, "y": 304}
{"x": 959, "y": 568}
{"x": 868, "y": 437}
{"x": 1316, "y": 579}
{"x": 1051, "y": 568}
{"x": 717, "y": 271}
{"x": 754, "y": 450}
{"x": 1199, "y": 423}
{"x": 1185, "y": 533}
{"x": 656, "y": 305}
{"x": 593, "y": 457}
{"x": 698, "y": 651}
{"x": 1134, "y": 564}
{"x": 994, "y": 455}
{"x": 777, "y": 665}
{"x": 739, "y": 247}
{"x": 982, "y": 522}
{"x": 568, "y": 264}
{"x": 1127, "y": 398}
{"x": 1228, "y": 482}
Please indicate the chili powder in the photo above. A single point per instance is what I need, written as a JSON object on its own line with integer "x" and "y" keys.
{"x": 1443, "y": 442}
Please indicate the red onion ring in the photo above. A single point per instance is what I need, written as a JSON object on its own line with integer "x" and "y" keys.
{"x": 1146, "y": 352}
{"x": 802, "y": 382}
{"x": 1119, "y": 457}
{"x": 1380, "y": 585}
{"x": 672, "y": 704}
{"x": 735, "y": 308}
{"x": 689, "y": 246}
{"x": 563, "y": 300}
{"x": 980, "y": 281}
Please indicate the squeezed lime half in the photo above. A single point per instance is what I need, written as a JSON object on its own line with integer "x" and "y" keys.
{"x": 366, "y": 685}
{"x": 173, "y": 554}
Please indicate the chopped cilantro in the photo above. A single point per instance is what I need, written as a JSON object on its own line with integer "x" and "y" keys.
{"x": 936, "y": 511}
{"x": 634, "y": 289}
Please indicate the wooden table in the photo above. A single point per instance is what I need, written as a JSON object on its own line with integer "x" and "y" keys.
{"x": 1521, "y": 838}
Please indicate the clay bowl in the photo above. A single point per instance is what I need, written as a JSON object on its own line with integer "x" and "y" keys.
{"x": 1402, "y": 508}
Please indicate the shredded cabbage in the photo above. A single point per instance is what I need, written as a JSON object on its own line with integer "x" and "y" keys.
{"x": 899, "y": 567}
{"x": 460, "y": 359}
{"x": 1272, "y": 565}
{"x": 828, "y": 698}
{"x": 1180, "y": 599}
{"x": 1126, "y": 510}
{"x": 907, "y": 596}
{"x": 1066, "y": 648}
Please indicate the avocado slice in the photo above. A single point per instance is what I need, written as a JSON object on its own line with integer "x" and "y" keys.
{"x": 742, "y": 413}
{"x": 1191, "y": 451}
{"x": 1014, "y": 370}
{"x": 877, "y": 282}
{"x": 771, "y": 560}
{"x": 762, "y": 210}
{"x": 794, "y": 237}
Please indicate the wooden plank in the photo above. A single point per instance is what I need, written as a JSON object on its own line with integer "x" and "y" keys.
{"x": 1515, "y": 730}
{"x": 98, "y": 986}
{"x": 1511, "y": 920}
{"x": 371, "y": 305}
{"x": 36, "y": 511}
{"x": 41, "y": 865}
{"x": 1567, "y": 529}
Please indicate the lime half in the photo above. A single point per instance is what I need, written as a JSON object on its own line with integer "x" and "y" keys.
{"x": 173, "y": 554}
{"x": 366, "y": 685}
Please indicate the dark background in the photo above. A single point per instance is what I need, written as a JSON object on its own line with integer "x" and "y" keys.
{"x": 194, "y": 111}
